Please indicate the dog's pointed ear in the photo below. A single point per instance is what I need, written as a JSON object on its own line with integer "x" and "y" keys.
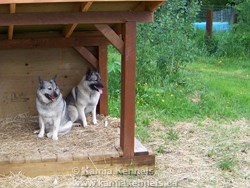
{"x": 88, "y": 74}
{"x": 98, "y": 70}
{"x": 54, "y": 78}
{"x": 40, "y": 82}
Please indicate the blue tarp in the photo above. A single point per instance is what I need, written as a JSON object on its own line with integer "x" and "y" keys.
{"x": 217, "y": 26}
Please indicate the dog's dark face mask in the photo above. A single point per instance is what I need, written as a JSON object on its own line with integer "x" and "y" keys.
{"x": 94, "y": 81}
{"x": 49, "y": 89}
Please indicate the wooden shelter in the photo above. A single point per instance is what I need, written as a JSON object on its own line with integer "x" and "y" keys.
{"x": 64, "y": 37}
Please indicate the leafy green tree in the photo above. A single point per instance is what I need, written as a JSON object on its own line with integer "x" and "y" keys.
{"x": 165, "y": 46}
{"x": 243, "y": 13}
{"x": 243, "y": 23}
{"x": 215, "y": 2}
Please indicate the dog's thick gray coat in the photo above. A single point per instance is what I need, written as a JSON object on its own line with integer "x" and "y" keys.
{"x": 84, "y": 98}
{"x": 53, "y": 114}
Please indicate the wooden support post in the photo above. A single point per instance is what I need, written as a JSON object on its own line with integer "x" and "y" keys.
{"x": 235, "y": 18}
{"x": 128, "y": 89}
{"x": 103, "y": 68}
{"x": 11, "y": 27}
{"x": 209, "y": 23}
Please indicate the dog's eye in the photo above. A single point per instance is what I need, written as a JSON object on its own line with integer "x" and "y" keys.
{"x": 49, "y": 88}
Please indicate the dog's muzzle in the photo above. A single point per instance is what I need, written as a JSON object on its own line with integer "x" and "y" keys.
{"x": 51, "y": 97}
{"x": 99, "y": 89}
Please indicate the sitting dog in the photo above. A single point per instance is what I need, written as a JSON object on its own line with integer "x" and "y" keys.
{"x": 84, "y": 98}
{"x": 52, "y": 110}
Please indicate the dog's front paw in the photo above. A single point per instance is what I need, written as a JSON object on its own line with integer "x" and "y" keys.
{"x": 84, "y": 123}
{"x": 41, "y": 135}
{"x": 94, "y": 122}
{"x": 54, "y": 137}
{"x": 49, "y": 135}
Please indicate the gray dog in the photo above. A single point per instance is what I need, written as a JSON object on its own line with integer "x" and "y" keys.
{"x": 52, "y": 110}
{"x": 84, "y": 98}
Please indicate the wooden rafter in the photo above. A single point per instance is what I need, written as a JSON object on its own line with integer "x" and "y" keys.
{"x": 97, "y": 17}
{"x": 11, "y": 27}
{"x": 69, "y": 29}
{"x": 112, "y": 37}
{"x": 87, "y": 55}
{"x": 86, "y": 6}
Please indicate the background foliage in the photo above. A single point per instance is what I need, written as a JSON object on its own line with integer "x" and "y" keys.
{"x": 179, "y": 75}
{"x": 166, "y": 43}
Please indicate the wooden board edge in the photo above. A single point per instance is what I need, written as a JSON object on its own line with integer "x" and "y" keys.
{"x": 85, "y": 166}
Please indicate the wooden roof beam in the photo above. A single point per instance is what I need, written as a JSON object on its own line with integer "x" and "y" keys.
{"x": 153, "y": 5}
{"x": 148, "y": 6}
{"x": 53, "y": 42}
{"x": 108, "y": 17}
{"x": 112, "y": 37}
{"x": 11, "y": 27}
{"x": 54, "y": 34}
{"x": 51, "y": 1}
{"x": 69, "y": 29}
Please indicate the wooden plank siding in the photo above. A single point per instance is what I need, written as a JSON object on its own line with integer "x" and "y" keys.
{"x": 20, "y": 69}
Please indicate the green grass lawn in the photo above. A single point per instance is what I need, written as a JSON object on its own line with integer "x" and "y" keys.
{"x": 209, "y": 88}
{"x": 223, "y": 86}
{"x": 214, "y": 88}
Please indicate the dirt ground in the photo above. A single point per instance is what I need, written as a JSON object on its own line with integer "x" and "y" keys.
{"x": 191, "y": 160}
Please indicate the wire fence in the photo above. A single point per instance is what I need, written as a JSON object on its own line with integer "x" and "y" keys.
{"x": 222, "y": 17}
{"x": 220, "y": 14}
